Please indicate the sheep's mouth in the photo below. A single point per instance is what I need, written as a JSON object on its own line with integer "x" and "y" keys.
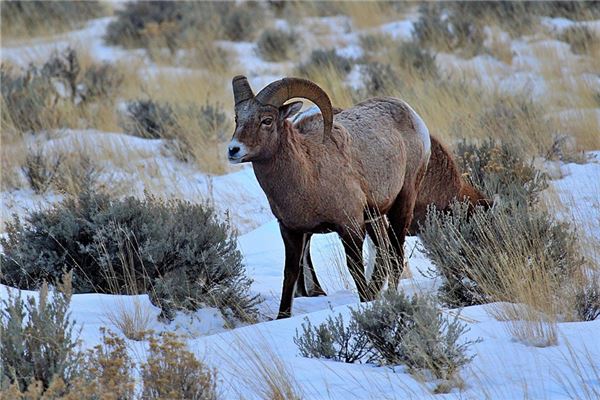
{"x": 237, "y": 160}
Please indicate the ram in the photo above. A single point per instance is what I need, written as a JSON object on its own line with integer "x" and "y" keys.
{"x": 330, "y": 173}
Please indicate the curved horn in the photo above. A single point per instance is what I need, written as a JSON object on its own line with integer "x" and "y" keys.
{"x": 284, "y": 89}
{"x": 241, "y": 89}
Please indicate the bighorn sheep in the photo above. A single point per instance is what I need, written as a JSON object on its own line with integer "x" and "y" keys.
{"x": 440, "y": 186}
{"x": 368, "y": 160}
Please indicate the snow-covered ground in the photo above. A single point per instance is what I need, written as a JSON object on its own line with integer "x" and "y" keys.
{"x": 502, "y": 368}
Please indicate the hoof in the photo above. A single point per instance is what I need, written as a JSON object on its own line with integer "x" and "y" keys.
{"x": 316, "y": 293}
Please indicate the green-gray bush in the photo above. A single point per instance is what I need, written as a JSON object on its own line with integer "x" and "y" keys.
{"x": 379, "y": 80}
{"x": 101, "y": 81}
{"x": 333, "y": 340}
{"x": 415, "y": 332}
{"x": 179, "y": 253}
{"x": 41, "y": 17}
{"x": 321, "y": 59}
{"x": 441, "y": 27}
{"x": 149, "y": 119}
{"x": 392, "y": 330}
{"x": 242, "y": 21}
{"x": 466, "y": 248}
{"x": 179, "y": 24}
{"x": 276, "y": 44}
{"x": 587, "y": 300}
{"x": 39, "y": 342}
{"x": 181, "y": 125}
{"x": 40, "y": 170}
{"x": 500, "y": 169}
{"x": 415, "y": 58}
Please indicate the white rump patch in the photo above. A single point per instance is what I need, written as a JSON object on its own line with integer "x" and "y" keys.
{"x": 309, "y": 112}
{"x": 421, "y": 130}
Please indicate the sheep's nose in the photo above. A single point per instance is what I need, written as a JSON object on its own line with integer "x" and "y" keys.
{"x": 233, "y": 150}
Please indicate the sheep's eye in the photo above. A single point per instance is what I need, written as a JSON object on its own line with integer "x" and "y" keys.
{"x": 267, "y": 121}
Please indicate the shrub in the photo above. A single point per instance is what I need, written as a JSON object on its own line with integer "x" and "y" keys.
{"x": 587, "y": 300}
{"x": 431, "y": 27}
{"x": 276, "y": 44}
{"x": 413, "y": 331}
{"x": 190, "y": 130}
{"x": 163, "y": 23}
{"x": 177, "y": 25}
{"x": 173, "y": 372}
{"x": 242, "y": 21}
{"x": 101, "y": 81}
{"x": 499, "y": 169}
{"x": 448, "y": 27}
{"x": 374, "y": 43}
{"x": 179, "y": 253}
{"x": 581, "y": 38}
{"x": 380, "y": 80}
{"x": 30, "y": 18}
{"x": 39, "y": 343}
{"x": 392, "y": 330}
{"x": 414, "y": 58}
{"x": 66, "y": 173}
{"x": 107, "y": 370}
{"x": 40, "y": 170}
{"x": 33, "y": 99}
{"x": 324, "y": 59}
{"x": 149, "y": 119}
{"x": 333, "y": 340}
{"x": 493, "y": 255}
{"x": 26, "y": 99}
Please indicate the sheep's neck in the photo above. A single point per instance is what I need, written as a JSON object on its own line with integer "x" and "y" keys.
{"x": 287, "y": 177}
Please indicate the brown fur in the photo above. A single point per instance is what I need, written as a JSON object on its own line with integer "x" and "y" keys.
{"x": 373, "y": 161}
{"x": 442, "y": 184}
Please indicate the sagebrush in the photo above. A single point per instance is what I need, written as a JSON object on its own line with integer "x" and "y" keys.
{"x": 30, "y": 18}
{"x": 393, "y": 330}
{"x": 180, "y": 253}
{"x": 39, "y": 342}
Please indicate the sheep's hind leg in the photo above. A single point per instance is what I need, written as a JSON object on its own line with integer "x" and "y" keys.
{"x": 303, "y": 288}
{"x": 377, "y": 231}
{"x": 353, "y": 240}
{"x": 400, "y": 217}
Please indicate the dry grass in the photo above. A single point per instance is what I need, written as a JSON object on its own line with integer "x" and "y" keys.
{"x": 584, "y": 366}
{"x": 262, "y": 372}
{"x": 533, "y": 297}
{"x": 28, "y": 19}
{"x": 366, "y": 14}
{"x": 133, "y": 322}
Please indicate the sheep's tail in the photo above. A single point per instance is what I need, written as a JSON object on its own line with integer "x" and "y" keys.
{"x": 473, "y": 196}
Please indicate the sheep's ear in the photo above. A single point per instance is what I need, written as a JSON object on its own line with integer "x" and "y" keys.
{"x": 289, "y": 110}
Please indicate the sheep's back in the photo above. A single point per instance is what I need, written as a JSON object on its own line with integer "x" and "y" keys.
{"x": 385, "y": 145}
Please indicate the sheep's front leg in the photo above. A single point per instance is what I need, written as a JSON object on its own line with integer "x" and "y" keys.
{"x": 293, "y": 242}
{"x": 353, "y": 242}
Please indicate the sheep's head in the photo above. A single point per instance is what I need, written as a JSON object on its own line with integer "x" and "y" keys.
{"x": 259, "y": 119}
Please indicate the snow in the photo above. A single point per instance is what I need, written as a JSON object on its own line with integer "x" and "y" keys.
{"x": 398, "y": 29}
{"x": 144, "y": 164}
{"x": 559, "y": 24}
{"x": 89, "y": 38}
{"x": 579, "y": 191}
